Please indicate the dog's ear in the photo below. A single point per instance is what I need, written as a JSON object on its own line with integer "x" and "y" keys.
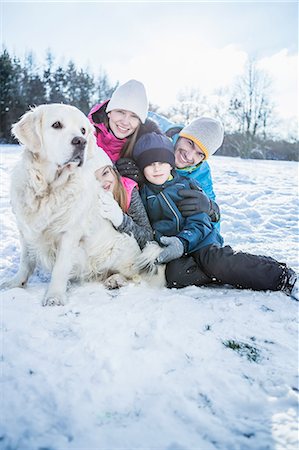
{"x": 28, "y": 129}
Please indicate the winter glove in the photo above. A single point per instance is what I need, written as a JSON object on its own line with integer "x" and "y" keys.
{"x": 128, "y": 168}
{"x": 174, "y": 249}
{"x": 194, "y": 201}
{"x": 110, "y": 209}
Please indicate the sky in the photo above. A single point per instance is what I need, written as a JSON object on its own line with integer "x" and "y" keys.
{"x": 146, "y": 368}
{"x": 169, "y": 46}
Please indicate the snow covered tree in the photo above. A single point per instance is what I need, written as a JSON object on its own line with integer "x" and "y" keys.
{"x": 32, "y": 87}
{"x": 104, "y": 88}
{"x": 11, "y": 98}
{"x": 80, "y": 87}
{"x": 58, "y": 86}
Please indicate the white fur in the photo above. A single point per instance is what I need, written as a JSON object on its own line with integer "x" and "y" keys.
{"x": 57, "y": 210}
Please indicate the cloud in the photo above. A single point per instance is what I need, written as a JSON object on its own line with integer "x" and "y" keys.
{"x": 283, "y": 69}
{"x": 166, "y": 67}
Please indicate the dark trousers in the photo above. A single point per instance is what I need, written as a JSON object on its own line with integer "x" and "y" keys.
{"x": 225, "y": 266}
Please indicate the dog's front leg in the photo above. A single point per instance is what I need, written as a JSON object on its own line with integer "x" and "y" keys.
{"x": 26, "y": 268}
{"x": 56, "y": 292}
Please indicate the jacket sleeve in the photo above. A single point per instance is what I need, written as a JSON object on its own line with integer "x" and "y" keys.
{"x": 136, "y": 221}
{"x": 205, "y": 181}
{"x": 167, "y": 127}
{"x": 196, "y": 228}
{"x": 214, "y": 212}
{"x": 207, "y": 186}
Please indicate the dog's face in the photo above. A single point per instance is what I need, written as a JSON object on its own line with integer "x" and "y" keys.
{"x": 58, "y": 133}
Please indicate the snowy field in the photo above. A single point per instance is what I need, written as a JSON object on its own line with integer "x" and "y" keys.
{"x": 139, "y": 368}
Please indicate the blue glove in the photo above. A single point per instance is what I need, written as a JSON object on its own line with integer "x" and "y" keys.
{"x": 174, "y": 249}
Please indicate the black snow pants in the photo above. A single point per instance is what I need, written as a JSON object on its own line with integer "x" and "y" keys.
{"x": 223, "y": 265}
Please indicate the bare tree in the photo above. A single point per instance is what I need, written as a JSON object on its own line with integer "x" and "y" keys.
{"x": 250, "y": 105}
{"x": 219, "y": 103}
{"x": 190, "y": 104}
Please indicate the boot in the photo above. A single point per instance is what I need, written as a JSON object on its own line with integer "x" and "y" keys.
{"x": 290, "y": 284}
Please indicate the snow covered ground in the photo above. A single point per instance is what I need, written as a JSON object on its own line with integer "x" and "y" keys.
{"x": 140, "y": 368}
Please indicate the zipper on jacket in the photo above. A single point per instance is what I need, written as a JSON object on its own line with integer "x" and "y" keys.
{"x": 174, "y": 212}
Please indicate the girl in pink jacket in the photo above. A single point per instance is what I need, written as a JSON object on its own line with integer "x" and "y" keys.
{"x": 118, "y": 120}
{"x": 124, "y": 207}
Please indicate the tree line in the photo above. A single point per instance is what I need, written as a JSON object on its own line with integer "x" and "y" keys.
{"x": 22, "y": 85}
{"x": 246, "y": 111}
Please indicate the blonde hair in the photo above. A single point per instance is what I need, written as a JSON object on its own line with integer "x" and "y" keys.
{"x": 119, "y": 191}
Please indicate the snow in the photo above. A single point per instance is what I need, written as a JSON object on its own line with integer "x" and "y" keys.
{"x": 140, "y": 368}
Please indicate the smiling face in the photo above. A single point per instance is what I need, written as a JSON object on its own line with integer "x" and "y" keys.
{"x": 157, "y": 172}
{"x": 122, "y": 123}
{"x": 107, "y": 178}
{"x": 187, "y": 153}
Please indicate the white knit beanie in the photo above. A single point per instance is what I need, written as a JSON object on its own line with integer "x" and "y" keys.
{"x": 205, "y": 132}
{"x": 130, "y": 96}
{"x": 99, "y": 159}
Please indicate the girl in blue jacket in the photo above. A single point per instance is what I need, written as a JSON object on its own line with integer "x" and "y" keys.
{"x": 195, "y": 235}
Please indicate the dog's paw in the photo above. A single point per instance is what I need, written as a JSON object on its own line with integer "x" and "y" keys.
{"x": 54, "y": 300}
{"x": 146, "y": 267}
{"x": 115, "y": 281}
{"x": 146, "y": 261}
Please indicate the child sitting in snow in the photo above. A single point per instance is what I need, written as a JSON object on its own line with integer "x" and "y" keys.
{"x": 124, "y": 207}
{"x": 195, "y": 235}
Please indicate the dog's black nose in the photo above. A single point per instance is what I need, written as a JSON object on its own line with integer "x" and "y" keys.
{"x": 79, "y": 142}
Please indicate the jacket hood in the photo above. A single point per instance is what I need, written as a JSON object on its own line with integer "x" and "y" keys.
{"x": 98, "y": 113}
{"x": 167, "y": 127}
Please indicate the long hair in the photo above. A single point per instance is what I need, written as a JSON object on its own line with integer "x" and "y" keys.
{"x": 119, "y": 191}
{"x": 127, "y": 149}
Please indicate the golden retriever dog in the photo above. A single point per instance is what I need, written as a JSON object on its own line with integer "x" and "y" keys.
{"x": 55, "y": 198}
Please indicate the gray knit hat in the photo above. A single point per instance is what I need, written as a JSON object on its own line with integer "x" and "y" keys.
{"x": 205, "y": 132}
{"x": 130, "y": 96}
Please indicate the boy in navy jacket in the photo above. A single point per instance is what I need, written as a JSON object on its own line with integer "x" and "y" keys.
{"x": 196, "y": 235}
